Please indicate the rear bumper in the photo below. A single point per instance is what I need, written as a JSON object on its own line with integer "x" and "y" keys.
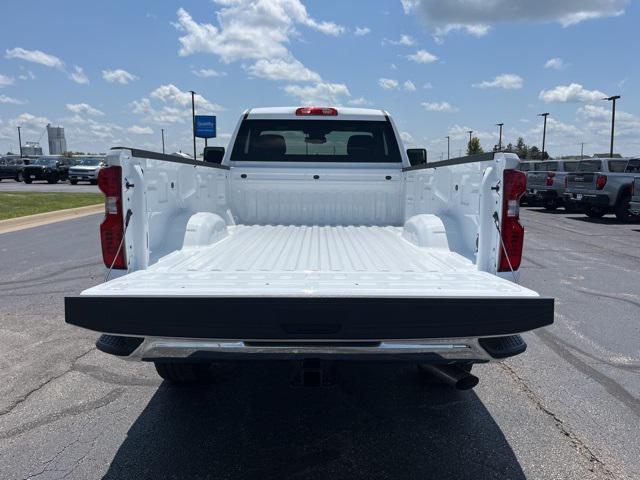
{"x": 308, "y": 319}
{"x": 588, "y": 198}
{"x": 542, "y": 193}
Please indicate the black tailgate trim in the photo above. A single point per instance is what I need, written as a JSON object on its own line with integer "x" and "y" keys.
{"x": 332, "y": 318}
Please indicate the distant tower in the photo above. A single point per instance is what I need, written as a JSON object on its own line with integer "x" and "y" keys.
{"x": 57, "y": 142}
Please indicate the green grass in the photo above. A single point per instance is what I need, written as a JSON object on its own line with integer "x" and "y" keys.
{"x": 19, "y": 204}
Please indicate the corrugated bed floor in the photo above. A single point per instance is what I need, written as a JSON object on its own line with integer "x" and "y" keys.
{"x": 313, "y": 260}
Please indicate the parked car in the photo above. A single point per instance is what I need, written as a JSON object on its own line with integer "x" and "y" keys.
{"x": 603, "y": 186}
{"x": 634, "y": 204}
{"x": 86, "y": 170}
{"x": 11, "y": 168}
{"x": 545, "y": 182}
{"x": 51, "y": 169}
{"x": 526, "y": 166}
{"x": 315, "y": 236}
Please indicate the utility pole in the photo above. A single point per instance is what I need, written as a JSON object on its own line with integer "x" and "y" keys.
{"x": 20, "y": 141}
{"x": 613, "y": 119}
{"x": 500, "y": 138}
{"x": 448, "y": 147}
{"x": 581, "y": 150}
{"x": 544, "y": 131}
{"x": 162, "y": 129}
{"x": 193, "y": 120}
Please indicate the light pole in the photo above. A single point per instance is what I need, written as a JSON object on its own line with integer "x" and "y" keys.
{"x": 20, "y": 141}
{"x": 448, "y": 147}
{"x": 500, "y": 138}
{"x": 544, "y": 131}
{"x": 193, "y": 120}
{"x": 162, "y": 130}
{"x": 613, "y": 119}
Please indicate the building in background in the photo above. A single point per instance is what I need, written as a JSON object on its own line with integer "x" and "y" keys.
{"x": 32, "y": 149}
{"x": 57, "y": 142}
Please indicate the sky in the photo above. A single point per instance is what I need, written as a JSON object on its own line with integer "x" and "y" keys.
{"x": 116, "y": 73}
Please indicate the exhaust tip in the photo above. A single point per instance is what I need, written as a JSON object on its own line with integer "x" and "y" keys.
{"x": 467, "y": 382}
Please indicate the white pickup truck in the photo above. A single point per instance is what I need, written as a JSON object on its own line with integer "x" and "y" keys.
{"x": 313, "y": 237}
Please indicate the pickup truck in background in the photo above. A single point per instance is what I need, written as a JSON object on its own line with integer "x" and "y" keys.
{"x": 11, "y": 168}
{"x": 634, "y": 204}
{"x": 86, "y": 170}
{"x": 545, "y": 182}
{"x": 526, "y": 166}
{"x": 603, "y": 186}
{"x": 51, "y": 169}
{"x": 315, "y": 237}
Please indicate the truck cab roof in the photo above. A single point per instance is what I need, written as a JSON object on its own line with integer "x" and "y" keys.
{"x": 341, "y": 113}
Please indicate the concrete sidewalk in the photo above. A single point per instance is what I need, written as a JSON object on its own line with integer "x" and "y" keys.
{"x": 30, "y": 221}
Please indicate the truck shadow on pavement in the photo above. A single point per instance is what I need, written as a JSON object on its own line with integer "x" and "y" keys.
{"x": 379, "y": 421}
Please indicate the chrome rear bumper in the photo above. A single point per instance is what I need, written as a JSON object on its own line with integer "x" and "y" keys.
{"x": 458, "y": 349}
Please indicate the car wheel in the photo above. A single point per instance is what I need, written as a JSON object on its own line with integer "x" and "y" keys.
{"x": 595, "y": 212}
{"x": 19, "y": 177}
{"x": 27, "y": 180}
{"x": 183, "y": 372}
{"x": 73, "y": 182}
{"x": 622, "y": 208}
{"x": 52, "y": 179}
{"x": 94, "y": 182}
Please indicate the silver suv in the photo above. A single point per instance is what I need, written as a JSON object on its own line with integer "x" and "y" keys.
{"x": 603, "y": 185}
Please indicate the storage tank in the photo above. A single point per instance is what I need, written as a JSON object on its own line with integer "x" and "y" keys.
{"x": 57, "y": 142}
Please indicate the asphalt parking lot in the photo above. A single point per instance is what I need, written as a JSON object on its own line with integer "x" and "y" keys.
{"x": 569, "y": 408}
{"x": 13, "y": 186}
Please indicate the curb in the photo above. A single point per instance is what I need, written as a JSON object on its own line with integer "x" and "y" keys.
{"x": 31, "y": 221}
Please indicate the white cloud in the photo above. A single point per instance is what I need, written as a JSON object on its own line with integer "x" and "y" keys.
{"x": 27, "y": 76}
{"x": 407, "y": 139}
{"x": 35, "y": 56}
{"x": 508, "y": 81}
{"x": 427, "y": 85}
{"x": 118, "y": 76}
{"x": 570, "y": 93}
{"x": 404, "y": 39}
{"x": 140, "y": 130}
{"x": 598, "y": 120}
{"x": 174, "y": 105}
{"x": 5, "y": 80}
{"x": 422, "y": 56}
{"x": 409, "y": 86}
{"x": 13, "y": 101}
{"x": 250, "y": 30}
{"x": 476, "y": 30}
{"x": 359, "y": 102}
{"x": 79, "y": 76}
{"x": 477, "y": 16}
{"x": 84, "y": 108}
{"x": 283, "y": 69}
{"x": 208, "y": 72}
{"x": 319, "y": 94}
{"x": 438, "y": 107}
{"x": 360, "y": 31}
{"x": 388, "y": 83}
{"x": 555, "y": 63}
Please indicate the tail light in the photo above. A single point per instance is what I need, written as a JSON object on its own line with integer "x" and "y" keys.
{"x": 515, "y": 184}
{"x": 550, "y": 177}
{"x": 601, "y": 181}
{"x": 321, "y": 111}
{"x": 112, "y": 227}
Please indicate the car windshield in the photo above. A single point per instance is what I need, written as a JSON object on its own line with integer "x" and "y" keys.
{"x": 590, "y": 166}
{"x": 44, "y": 161}
{"x": 316, "y": 141}
{"x": 89, "y": 161}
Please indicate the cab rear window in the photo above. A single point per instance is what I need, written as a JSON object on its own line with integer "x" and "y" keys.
{"x": 590, "y": 166}
{"x": 617, "y": 166}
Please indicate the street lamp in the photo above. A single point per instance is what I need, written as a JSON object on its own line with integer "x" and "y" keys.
{"x": 448, "y": 146}
{"x": 544, "y": 131}
{"x": 613, "y": 119}
{"x": 193, "y": 120}
{"x": 20, "y": 141}
{"x": 500, "y": 138}
{"x": 470, "y": 133}
{"x": 162, "y": 129}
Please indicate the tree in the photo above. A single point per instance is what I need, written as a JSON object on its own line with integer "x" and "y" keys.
{"x": 473, "y": 147}
{"x": 534, "y": 153}
{"x": 521, "y": 148}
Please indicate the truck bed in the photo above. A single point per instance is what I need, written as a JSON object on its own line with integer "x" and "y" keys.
{"x": 312, "y": 261}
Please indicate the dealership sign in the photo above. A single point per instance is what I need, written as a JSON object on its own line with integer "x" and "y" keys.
{"x": 205, "y": 126}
